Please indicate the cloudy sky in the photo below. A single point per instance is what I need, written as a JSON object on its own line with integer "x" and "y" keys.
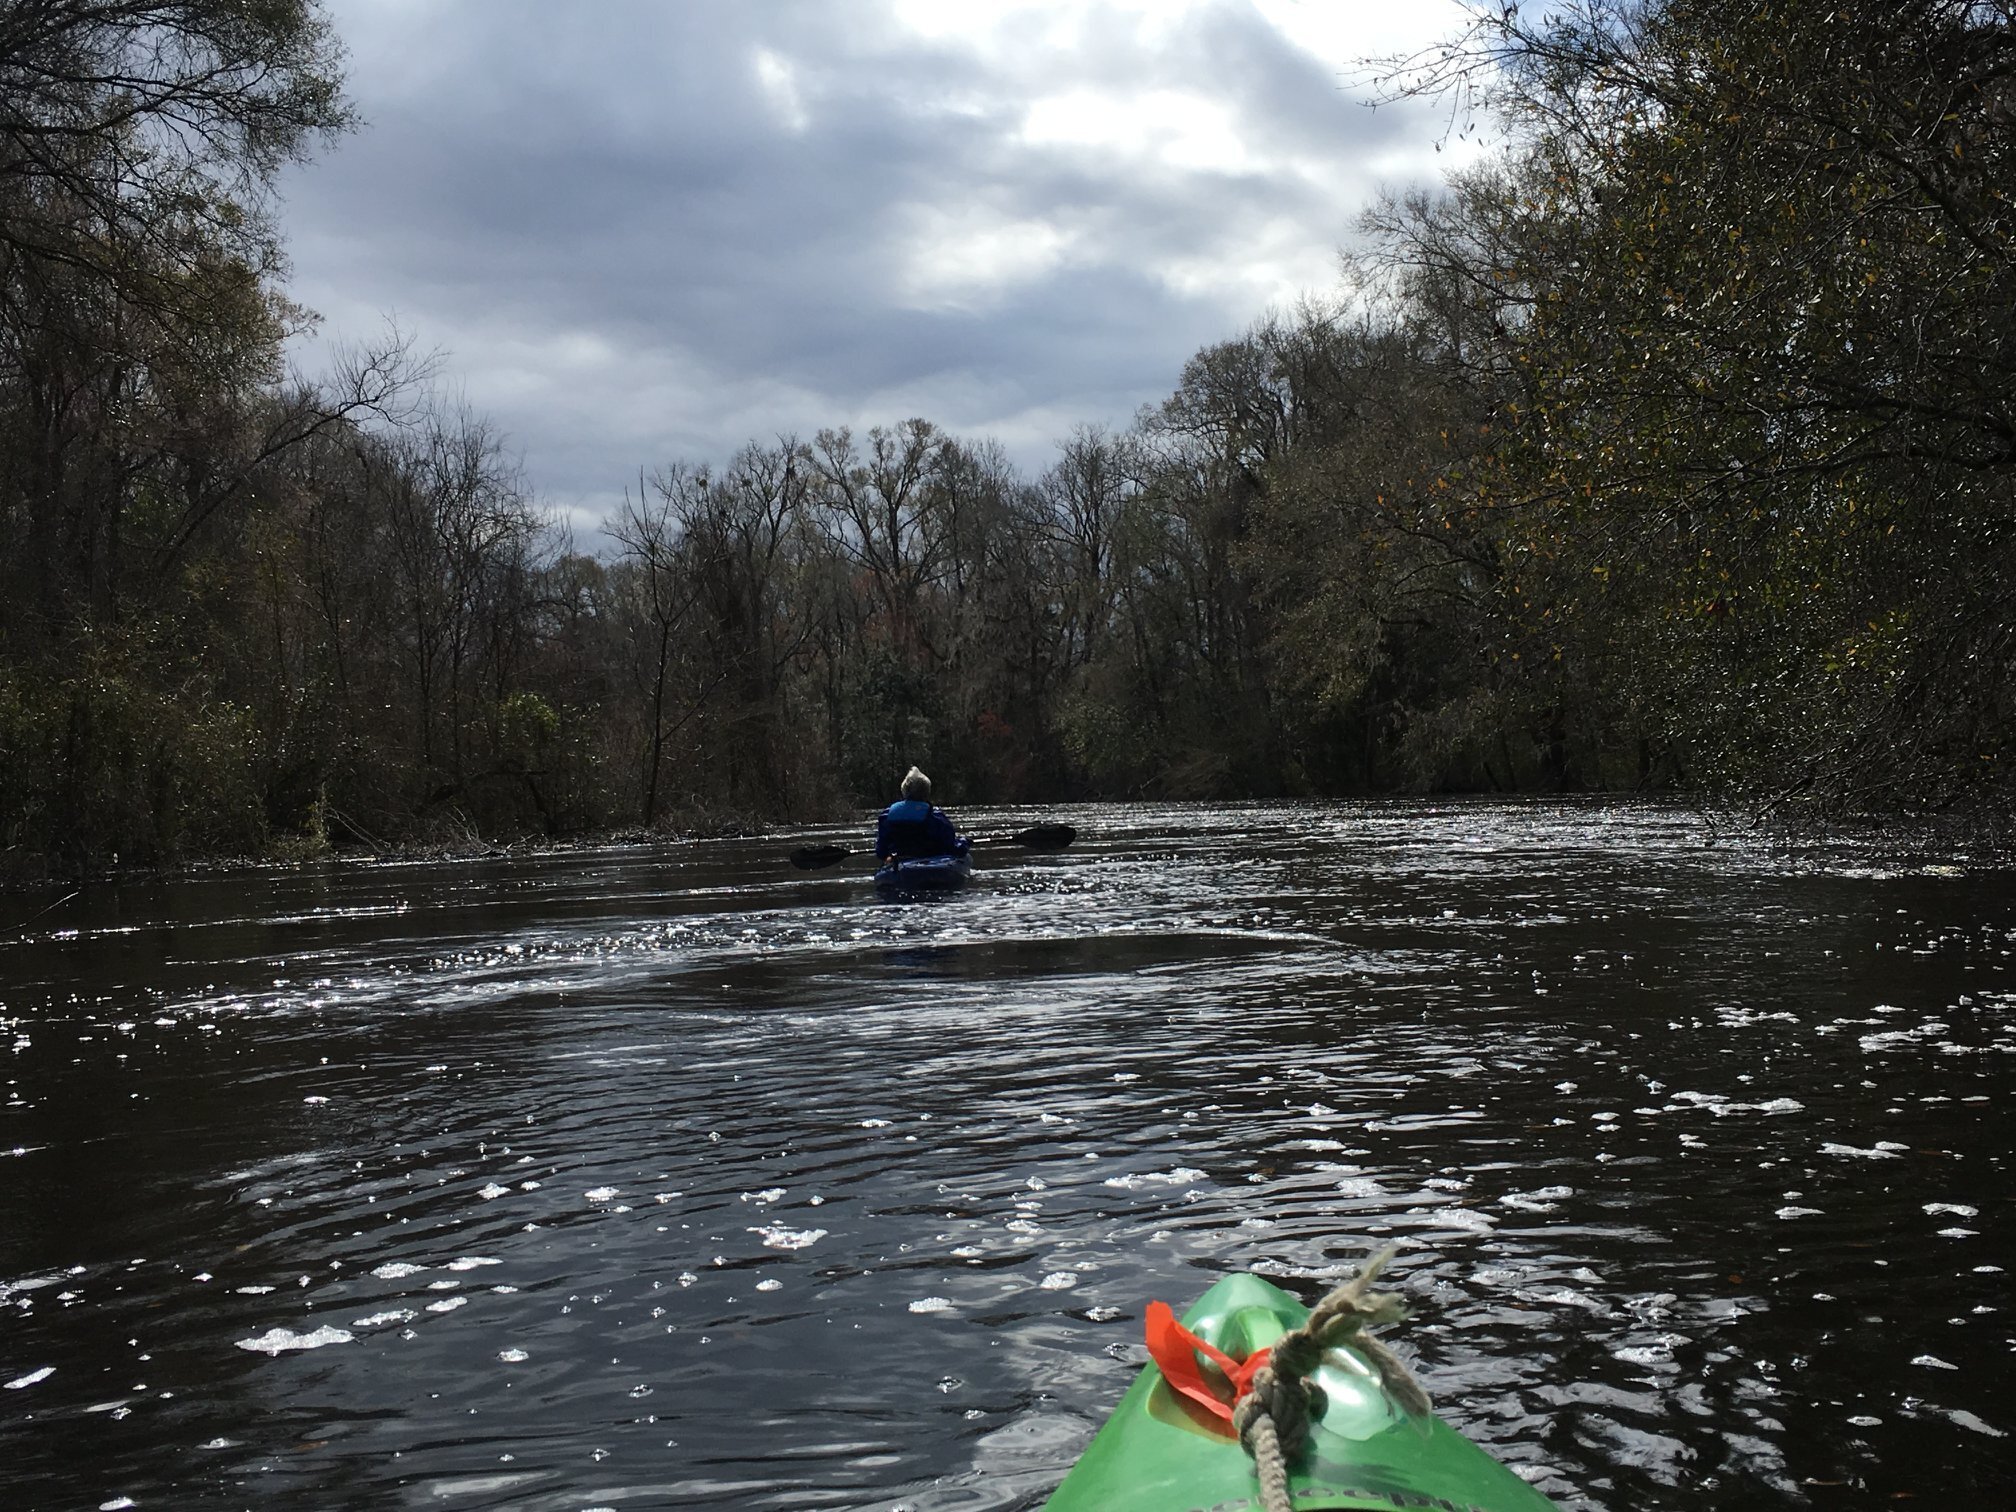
{"x": 645, "y": 231}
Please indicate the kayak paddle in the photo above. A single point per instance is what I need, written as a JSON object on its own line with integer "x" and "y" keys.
{"x": 1036, "y": 837}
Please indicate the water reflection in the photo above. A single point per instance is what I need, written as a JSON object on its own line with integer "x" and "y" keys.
{"x": 678, "y": 1177}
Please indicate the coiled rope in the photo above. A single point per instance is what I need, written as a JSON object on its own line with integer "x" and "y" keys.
{"x": 1273, "y": 1418}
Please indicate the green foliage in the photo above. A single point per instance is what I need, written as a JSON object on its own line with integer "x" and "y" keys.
{"x": 526, "y": 726}
{"x": 99, "y": 763}
{"x": 1106, "y": 746}
{"x": 1747, "y": 263}
{"x": 214, "y": 798}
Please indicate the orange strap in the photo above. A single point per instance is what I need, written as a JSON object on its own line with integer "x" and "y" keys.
{"x": 1175, "y": 1350}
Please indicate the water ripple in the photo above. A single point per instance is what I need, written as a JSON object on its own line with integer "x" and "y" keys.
{"x": 677, "y": 1177}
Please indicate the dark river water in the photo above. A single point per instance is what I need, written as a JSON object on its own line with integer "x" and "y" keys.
{"x": 674, "y": 1177}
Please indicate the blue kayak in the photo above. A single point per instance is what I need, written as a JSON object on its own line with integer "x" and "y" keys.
{"x": 924, "y": 874}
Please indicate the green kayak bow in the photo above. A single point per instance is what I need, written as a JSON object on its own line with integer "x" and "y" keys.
{"x": 1165, "y": 1451}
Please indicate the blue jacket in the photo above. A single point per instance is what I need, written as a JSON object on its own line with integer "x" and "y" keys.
{"x": 914, "y": 828}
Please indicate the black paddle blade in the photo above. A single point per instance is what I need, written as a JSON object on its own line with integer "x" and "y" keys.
{"x": 1045, "y": 837}
{"x": 812, "y": 857}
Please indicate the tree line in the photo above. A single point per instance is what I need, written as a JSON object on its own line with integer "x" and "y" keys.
{"x": 1669, "y": 444}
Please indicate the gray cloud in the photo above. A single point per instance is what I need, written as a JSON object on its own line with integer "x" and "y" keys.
{"x": 645, "y": 232}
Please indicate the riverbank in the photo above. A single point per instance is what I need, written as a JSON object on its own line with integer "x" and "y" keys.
{"x": 21, "y": 871}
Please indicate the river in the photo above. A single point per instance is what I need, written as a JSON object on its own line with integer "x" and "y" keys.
{"x": 674, "y": 1177}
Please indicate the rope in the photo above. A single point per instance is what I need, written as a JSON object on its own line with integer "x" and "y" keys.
{"x": 1273, "y": 1419}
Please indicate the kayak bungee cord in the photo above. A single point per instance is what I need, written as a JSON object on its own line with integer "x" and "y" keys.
{"x": 1273, "y": 1417}
{"x": 1273, "y": 1398}
{"x": 1250, "y": 1400}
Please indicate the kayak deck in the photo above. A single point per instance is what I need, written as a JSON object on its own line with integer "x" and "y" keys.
{"x": 1161, "y": 1452}
{"x": 924, "y": 873}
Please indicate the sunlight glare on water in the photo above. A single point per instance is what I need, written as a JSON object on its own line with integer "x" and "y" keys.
{"x": 673, "y": 1176}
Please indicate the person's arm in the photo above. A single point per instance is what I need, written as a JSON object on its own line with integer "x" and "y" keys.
{"x": 945, "y": 834}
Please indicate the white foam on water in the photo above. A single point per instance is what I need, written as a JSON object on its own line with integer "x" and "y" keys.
{"x": 781, "y": 1238}
{"x": 1058, "y": 1281}
{"x": 1543, "y": 1200}
{"x": 31, "y": 1378}
{"x": 931, "y": 1305}
{"x": 380, "y": 1319}
{"x": 471, "y": 1262}
{"x": 1562, "y": 1297}
{"x": 447, "y": 1304}
{"x": 1178, "y": 1176}
{"x": 394, "y": 1270}
{"x": 1933, "y": 1362}
{"x": 1725, "y": 1108}
{"x": 1658, "y": 1352}
{"x": 277, "y": 1341}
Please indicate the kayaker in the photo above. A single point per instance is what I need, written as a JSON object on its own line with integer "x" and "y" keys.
{"x": 912, "y": 827}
